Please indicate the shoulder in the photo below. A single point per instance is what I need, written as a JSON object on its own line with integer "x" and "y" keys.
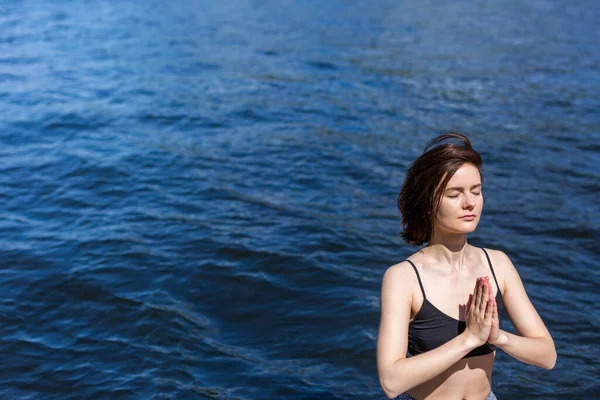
{"x": 398, "y": 292}
{"x": 502, "y": 265}
{"x": 498, "y": 257}
{"x": 401, "y": 271}
{"x": 399, "y": 279}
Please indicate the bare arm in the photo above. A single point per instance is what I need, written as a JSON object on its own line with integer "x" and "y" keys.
{"x": 535, "y": 351}
{"x": 533, "y": 343}
{"x": 398, "y": 373}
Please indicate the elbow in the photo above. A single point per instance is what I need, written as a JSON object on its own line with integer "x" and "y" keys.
{"x": 389, "y": 393}
{"x": 551, "y": 362}
{"x": 549, "y": 366}
{"x": 386, "y": 386}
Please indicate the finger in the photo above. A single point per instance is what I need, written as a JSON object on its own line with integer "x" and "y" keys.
{"x": 484, "y": 296}
{"x": 489, "y": 310}
{"x": 477, "y": 300}
{"x": 469, "y": 301}
{"x": 474, "y": 295}
{"x": 475, "y": 288}
{"x": 495, "y": 312}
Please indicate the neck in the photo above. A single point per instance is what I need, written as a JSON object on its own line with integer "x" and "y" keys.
{"x": 449, "y": 249}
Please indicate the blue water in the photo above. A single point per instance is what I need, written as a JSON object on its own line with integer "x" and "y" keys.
{"x": 198, "y": 198}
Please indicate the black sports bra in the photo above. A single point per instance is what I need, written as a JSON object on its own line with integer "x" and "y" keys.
{"x": 432, "y": 328}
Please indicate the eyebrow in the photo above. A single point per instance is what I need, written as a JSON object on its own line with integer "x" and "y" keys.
{"x": 460, "y": 188}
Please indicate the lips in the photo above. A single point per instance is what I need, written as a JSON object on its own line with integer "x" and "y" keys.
{"x": 468, "y": 216}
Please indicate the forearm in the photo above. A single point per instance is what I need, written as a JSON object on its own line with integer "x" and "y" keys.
{"x": 407, "y": 373}
{"x": 535, "y": 351}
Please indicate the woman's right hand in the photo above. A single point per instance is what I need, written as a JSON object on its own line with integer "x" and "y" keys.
{"x": 478, "y": 315}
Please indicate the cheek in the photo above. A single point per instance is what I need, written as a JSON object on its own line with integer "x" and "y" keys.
{"x": 446, "y": 208}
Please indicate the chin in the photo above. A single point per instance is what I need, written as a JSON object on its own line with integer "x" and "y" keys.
{"x": 469, "y": 230}
{"x": 466, "y": 229}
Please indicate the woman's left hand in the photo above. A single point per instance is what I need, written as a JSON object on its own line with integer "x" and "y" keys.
{"x": 495, "y": 331}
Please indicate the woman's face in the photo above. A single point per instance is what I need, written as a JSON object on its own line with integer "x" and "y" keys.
{"x": 461, "y": 203}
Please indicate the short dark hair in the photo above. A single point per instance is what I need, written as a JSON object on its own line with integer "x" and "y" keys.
{"x": 425, "y": 181}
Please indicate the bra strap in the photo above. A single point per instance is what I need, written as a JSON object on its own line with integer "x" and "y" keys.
{"x": 418, "y": 277}
{"x": 492, "y": 268}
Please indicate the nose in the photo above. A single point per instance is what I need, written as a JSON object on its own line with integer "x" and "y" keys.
{"x": 468, "y": 201}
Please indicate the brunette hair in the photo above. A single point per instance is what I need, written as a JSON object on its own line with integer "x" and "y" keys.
{"x": 425, "y": 181}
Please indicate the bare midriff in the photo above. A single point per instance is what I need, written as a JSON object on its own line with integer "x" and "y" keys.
{"x": 468, "y": 379}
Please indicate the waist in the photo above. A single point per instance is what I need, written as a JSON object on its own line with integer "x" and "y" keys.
{"x": 469, "y": 378}
{"x": 406, "y": 396}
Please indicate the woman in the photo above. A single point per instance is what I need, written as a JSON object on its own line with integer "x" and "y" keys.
{"x": 439, "y": 325}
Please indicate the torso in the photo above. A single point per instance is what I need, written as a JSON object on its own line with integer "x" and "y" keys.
{"x": 469, "y": 378}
